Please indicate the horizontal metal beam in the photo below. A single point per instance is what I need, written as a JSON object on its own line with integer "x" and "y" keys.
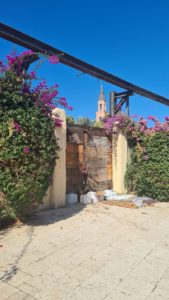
{"x": 38, "y": 46}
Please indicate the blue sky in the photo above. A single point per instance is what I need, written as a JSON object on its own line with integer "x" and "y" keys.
{"x": 129, "y": 38}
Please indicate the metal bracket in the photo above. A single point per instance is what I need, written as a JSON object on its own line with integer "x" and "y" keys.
{"x": 115, "y": 105}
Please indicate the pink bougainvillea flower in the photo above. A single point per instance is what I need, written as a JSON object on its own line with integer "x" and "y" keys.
{"x": 25, "y": 88}
{"x": 152, "y": 118}
{"x": 53, "y": 59}
{"x": 63, "y": 99}
{"x": 145, "y": 157}
{"x": 84, "y": 169}
{"x": 167, "y": 118}
{"x": 58, "y": 122}
{"x": 26, "y": 149}
{"x": 17, "y": 126}
{"x": 11, "y": 59}
{"x": 142, "y": 122}
{"x": 32, "y": 75}
{"x": 25, "y": 53}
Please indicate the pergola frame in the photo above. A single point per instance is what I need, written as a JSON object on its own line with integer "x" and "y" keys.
{"x": 37, "y": 46}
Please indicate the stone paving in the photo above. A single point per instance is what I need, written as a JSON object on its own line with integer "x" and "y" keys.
{"x": 88, "y": 252}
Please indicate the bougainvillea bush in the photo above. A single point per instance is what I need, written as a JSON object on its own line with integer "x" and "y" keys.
{"x": 147, "y": 172}
{"x": 28, "y": 146}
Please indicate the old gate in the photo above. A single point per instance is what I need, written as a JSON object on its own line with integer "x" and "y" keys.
{"x": 88, "y": 159}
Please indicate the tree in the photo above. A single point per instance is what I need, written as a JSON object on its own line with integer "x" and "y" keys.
{"x": 98, "y": 124}
{"x": 84, "y": 121}
{"x": 70, "y": 120}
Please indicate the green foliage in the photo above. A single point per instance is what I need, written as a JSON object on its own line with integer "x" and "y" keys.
{"x": 28, "y": 147}
{"x": 88, "y": 122}
{"x": 7, "y": 215}
{"x": 98, "y": 124}
{"x": 84, "y": 121}
{"x": 70, "y": 120}
{"x": 148, "y": 171}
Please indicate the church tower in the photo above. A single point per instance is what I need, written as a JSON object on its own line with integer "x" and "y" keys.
{"x": 101, "y": 112}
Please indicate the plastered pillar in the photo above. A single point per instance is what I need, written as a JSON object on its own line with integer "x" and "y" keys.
{"x": 119, "y": 157}
{"x": 58, "y": 188}
{"x": 56, "y": 193}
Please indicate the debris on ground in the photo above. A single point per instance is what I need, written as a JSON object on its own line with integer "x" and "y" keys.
{"x": 128, "y": 201}
{"x": 143, "y": 201}
{"x": 111, "y": 195}
{"x": 125, "y": 204}
{"x": 89, "y": 198}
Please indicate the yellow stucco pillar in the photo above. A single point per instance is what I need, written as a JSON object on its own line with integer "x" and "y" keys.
{"x": 119, "y": 157}
{"x": 56, "y": 193}
{"x": 58, "y": 188}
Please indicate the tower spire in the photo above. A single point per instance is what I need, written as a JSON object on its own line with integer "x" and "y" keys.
{"x": 101, "y": 112}
{"x": 101, "y": 96}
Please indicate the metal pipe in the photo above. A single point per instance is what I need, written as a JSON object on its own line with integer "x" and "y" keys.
{"x": 112, "y": 103}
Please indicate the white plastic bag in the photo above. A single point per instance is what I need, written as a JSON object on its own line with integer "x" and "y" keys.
{"x": 92, "y": 196}
{"x": 85, "y": 200}
{"x": 88, "y": 198}
{"x": 108, "y": 194}
{"x": 71, "y": 198}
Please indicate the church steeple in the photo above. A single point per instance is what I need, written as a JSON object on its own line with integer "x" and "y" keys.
{"x": 101, "y": 112}
{"x": 101, "y": 95}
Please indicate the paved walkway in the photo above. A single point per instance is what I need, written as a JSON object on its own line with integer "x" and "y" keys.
{"x": 94, "y": 252}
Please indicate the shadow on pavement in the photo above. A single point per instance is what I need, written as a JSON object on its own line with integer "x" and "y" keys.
{"x": 54, "y": 215}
